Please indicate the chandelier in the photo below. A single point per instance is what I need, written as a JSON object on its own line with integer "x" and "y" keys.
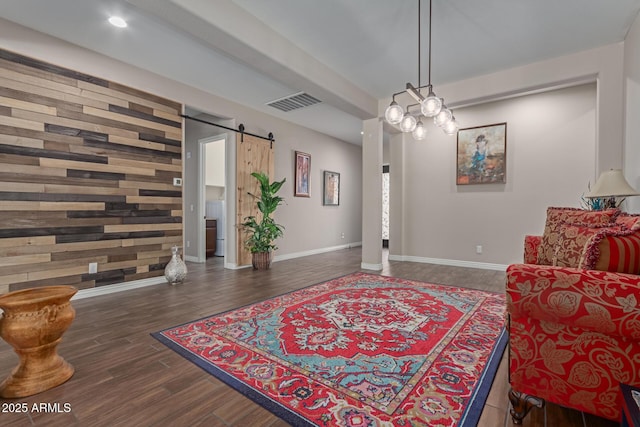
{"x": 429, "y": 107}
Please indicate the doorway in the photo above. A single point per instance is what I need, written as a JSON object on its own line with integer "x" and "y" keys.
{"x": 385, "y": 206}
{"x": 212, "y": 196}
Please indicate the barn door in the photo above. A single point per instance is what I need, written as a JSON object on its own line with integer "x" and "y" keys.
{"x": 252, "y": 155}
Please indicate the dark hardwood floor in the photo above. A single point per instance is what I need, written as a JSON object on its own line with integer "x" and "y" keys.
{"x": 124, "y": 377}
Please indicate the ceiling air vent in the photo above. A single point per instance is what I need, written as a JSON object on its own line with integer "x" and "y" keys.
{"x": 293, "y": 102}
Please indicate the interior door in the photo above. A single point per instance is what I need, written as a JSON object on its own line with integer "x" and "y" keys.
{"x": 253, "y": 154}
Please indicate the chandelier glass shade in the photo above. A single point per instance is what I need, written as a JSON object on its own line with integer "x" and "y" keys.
{"x": 394, "y": 113}
{"x": 429, "y": 106}
{"x": 420, "y": 132}
{"x": 451, "y": 127}
{"x": 408, "y": 123}
{"x": 443, "y": 117}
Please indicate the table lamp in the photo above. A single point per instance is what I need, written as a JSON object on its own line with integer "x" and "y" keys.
{"x": 611, "y": 185}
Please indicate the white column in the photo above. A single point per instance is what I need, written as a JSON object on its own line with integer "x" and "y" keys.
{"x": 372, "y": 194}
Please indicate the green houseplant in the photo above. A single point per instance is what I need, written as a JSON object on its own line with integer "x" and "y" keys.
{"x": 262, "y": 232}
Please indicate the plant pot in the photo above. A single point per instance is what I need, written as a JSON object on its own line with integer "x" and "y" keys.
{"x": 261, "y": 260}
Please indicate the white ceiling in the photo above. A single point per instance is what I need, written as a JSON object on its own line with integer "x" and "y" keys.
{"x": 347, "y": 53}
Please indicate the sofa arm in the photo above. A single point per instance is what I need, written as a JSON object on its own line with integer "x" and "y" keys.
{"x": 593, "y": 300}
{"x": 531, "y": 245}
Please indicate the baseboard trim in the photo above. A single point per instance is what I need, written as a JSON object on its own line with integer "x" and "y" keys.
{"x": 191, "y": 258}
{"x": 134, "y": 284}
{"x": 450, "y": 262}
{"x": 234, "y": 266}
{"x": 315, "y": 251}
{"x": 119, "y": 287}
{"x": 369, "y": 266}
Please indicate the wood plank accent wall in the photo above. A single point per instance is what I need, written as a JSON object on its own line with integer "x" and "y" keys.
{"x": 86, "y": 175}
{"x": 252, "y": 155}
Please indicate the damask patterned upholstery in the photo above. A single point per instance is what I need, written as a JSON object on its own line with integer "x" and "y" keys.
{"x": 631, "y": 221}
{"x": 531, "y": 245}
{"x": 556, "y": 216}
{"x": 574, "y": 334}
{"x": 572, "y": 241}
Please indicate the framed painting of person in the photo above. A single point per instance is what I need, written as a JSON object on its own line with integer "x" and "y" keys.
{"x": 481, "y": 155}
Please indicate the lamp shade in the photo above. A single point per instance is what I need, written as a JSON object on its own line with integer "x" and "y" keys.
{"x": 612, "y": 184}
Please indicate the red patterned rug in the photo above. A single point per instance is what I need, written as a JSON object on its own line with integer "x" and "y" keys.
{"x": 360, "y": 350}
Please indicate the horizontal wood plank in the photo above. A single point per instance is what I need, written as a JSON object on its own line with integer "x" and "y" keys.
{"x": 39, "y": 82}
{"x": 21, "y": 141}
{"x": 128, "y": 119}
{"x": 138, "y": 99}
{"x": 24, "y": 259}
{"x": 49, "y": 93}
{"x": 154, "y": 200}
{"x": 18, "y": 122}
{"x": 50, "y": 206}
{"x": 115, "y": 139}
{"x": 29, "y": 106}
{"x": 144, "y": 165}
{"x": 69, "y": 164}
{"x": 139, "y": 227}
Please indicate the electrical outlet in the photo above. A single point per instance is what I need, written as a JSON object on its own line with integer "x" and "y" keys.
{"x": 479, "y": 249}
{"x": 342, "y": 236}
{"x": 188, "y": 243}
{"x": 93, "y": 267}
{"x": 177, "y": 182}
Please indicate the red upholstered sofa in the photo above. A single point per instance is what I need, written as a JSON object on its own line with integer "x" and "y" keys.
{"x": 574, "y": 329}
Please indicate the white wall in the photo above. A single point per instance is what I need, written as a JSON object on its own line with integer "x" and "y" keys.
{"x": 603, "y": 66}
{"x": 632, "y": 113}
{"x": 215, "y": 163}
{"x": 551, "y": 154}
{"x": 308, "y": 224}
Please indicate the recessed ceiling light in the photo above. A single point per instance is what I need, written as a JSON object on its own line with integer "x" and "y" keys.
{"x": 117, "y": 21}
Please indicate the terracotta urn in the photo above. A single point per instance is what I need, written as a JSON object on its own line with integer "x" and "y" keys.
{"x": 33, "y": 321}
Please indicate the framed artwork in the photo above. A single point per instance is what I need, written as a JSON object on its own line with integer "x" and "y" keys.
{"x": 482, "y": 155}
{"x": 331, "y": 189}
{"x": 302, "y": 172}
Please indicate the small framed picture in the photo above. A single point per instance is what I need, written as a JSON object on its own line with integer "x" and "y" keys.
{"x": 302, "y": 172}
{"x": 481, "y": 157}
{"x": 331, "y": 189}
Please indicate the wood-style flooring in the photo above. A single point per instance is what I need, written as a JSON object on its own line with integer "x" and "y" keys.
{"x": 124, "y": 377}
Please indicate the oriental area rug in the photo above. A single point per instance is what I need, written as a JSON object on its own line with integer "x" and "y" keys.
{"x": 359, "y": 350}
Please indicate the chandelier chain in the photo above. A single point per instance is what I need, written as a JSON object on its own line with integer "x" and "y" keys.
{"x": 429, "y": 71}
{"x": 419, "y": 42}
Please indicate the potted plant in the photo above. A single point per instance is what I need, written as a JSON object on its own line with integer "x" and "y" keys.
{"x": 262, "y": 232}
